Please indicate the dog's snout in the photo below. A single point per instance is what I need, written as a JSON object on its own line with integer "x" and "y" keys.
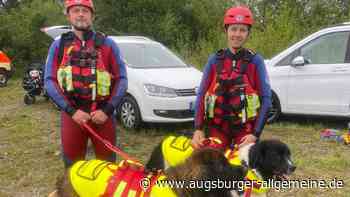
{"x": 291, "y": 166}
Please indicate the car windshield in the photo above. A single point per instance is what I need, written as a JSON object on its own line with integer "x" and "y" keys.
{"x": 154, "y": 55}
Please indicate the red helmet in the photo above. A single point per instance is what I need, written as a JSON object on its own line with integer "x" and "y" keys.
{"x": 238, "y": 15}
{"x": 86, "y": 3}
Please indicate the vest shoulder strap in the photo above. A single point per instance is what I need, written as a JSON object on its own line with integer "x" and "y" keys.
{"x": 220, "y": 56}
{"x": 65, "y": 38}
{"x": 99, "y": 39}
{"x": 247, "y": 57}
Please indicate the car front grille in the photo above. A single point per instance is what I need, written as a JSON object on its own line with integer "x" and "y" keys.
{"x": 186, "y": 92}
{"x": 176, "y": 114}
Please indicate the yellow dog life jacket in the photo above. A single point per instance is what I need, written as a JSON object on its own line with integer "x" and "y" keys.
{"x": 233, "y": 159}
{"x": 176, "y": 149}
{"x": 91, "y": 179}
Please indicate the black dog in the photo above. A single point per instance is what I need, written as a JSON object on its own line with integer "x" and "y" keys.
{"x": 267, "y": 159}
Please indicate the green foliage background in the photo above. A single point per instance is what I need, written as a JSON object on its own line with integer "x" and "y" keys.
{"x": 193, "y": 28}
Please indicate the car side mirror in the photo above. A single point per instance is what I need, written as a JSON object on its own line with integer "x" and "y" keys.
{"x": 298, "y": 61}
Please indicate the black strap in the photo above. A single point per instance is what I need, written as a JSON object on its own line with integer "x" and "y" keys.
{"x": 84, "y": 79}
{"x": 83, "y": 63}
{"x": 231, "y": 108}
{"x": 232, "y": 82}
{"x": 237, "y": 92}
{"x": 246, "y": 56}
{"x": 220, "y": 56}
{"x": 82, "y": 91}
{"x": 99, "y": 39}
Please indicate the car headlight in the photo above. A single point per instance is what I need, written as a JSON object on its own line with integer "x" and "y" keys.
{"x": 161, "y": 91}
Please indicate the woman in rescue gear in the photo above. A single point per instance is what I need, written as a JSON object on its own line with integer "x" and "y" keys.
{"x": 234, "y": 95}
{"x": 86, "y": 78}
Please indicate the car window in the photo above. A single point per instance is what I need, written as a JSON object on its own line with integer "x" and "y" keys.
{"x": 288, "y": 59}
{"x": 140, "y": 55}
{"x": 327, "y": 49}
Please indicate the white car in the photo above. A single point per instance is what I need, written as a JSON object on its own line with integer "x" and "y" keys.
{"x": 161, "y": 87}
{"x": 313, "y": 76}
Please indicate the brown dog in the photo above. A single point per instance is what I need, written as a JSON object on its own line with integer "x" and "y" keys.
{"x": 202, "y": 166}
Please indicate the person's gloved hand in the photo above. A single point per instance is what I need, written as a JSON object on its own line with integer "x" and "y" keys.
{"x": 197, "y": 139}
{"x": 98, "y": 117}
{"x": 81, "y": 117}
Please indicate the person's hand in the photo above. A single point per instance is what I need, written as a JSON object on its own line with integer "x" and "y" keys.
{"x": 197, "y": 139}
{"x": 98, "y": 117}
{"x": 248, "y": 139}
{"x": 81, "y": 117}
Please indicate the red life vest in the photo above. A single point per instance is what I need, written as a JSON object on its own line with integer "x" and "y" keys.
{"x": 82, "y": 74}
{"x": 230, "y": 96}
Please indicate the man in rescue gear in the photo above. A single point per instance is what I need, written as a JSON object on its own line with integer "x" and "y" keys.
{"x": 234, "y": 95}
{"x": 86, "y": 78}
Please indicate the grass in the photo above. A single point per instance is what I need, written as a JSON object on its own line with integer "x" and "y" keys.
{"x": 30, "y": 147}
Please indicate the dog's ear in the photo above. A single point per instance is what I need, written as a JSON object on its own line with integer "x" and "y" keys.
{"x": 256, "y": 156}
{"x": 156, "y": 161}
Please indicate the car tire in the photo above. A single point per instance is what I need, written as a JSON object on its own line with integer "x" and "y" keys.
{"x": 28, "y": 99}
{"x": 275, "y": 110}
{"x": 3, "y": 79}
{"x": 129, "y": 114}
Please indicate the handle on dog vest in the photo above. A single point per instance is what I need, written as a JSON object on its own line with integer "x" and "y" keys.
{"x": 109, "y": 145}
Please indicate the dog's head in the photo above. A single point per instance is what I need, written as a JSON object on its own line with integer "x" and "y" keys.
{"x": 212, "y": 163}
{"x": 272, "y": 159}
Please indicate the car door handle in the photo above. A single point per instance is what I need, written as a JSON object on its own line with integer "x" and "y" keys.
{"x": 339, "y": 69}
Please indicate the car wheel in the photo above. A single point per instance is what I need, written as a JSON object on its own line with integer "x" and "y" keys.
{"x": 275, "y": 110}
{"x": 129, "y": 113}
{"x": 3, "y": 79}
{"x": 28, "y": 99}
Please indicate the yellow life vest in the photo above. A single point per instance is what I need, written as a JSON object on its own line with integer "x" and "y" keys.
{"x": 91, "y": 179}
